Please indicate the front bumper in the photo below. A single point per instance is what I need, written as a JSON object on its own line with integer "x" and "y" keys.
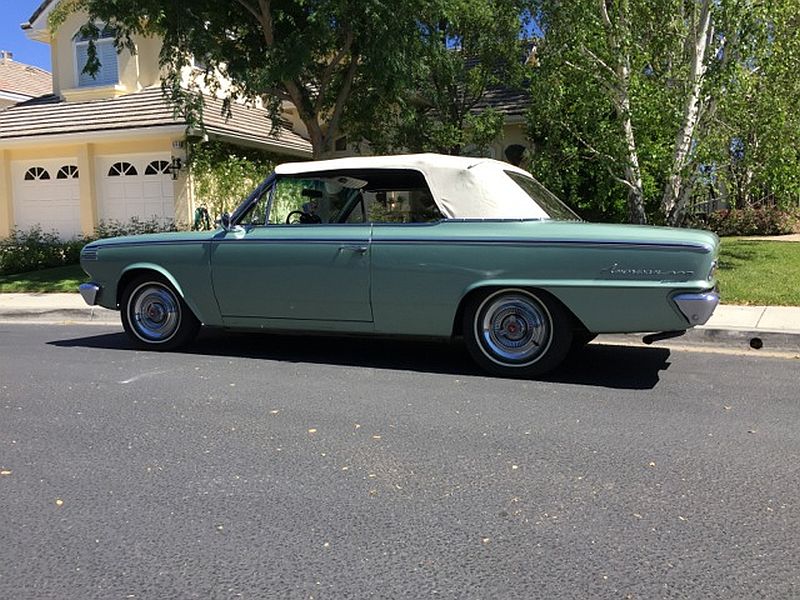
{"x": 697, "y": 307}
{"x": 89, "y": 292}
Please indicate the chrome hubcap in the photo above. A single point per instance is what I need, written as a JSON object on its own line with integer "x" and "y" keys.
{"x": 155, "y": 313}
{"x": 513, "y": 328}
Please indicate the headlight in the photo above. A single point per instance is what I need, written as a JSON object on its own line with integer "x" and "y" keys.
{"x": 89, "y": 253}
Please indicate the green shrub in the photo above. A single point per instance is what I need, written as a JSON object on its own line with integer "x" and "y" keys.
{"x": 224, "y": 174}
{"x": 135, "y": 226}
{"x": 749, "y": 221}
{"x": 35, "y": 249}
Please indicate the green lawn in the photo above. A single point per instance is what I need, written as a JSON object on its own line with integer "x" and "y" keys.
{"x": 750, "y": 272}
{"x": 759, "y": 272}
{"x": 57, "y": 279}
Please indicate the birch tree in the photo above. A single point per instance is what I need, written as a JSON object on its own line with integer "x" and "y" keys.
{"x": 700, "y": 34}
{"x": 647, "y": 63}
{"x": 750, "y": 135}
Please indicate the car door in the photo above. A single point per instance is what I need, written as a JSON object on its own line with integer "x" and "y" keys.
{"x": 297, "y": 274}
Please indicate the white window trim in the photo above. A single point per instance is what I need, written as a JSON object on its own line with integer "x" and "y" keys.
{"x": 75, "y": 62}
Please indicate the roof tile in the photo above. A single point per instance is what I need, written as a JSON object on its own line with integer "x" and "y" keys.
{"x": 51, "y": 116}
{"x": 19, "y": 78}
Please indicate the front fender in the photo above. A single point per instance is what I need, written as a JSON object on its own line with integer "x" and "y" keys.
{"x": 200, "y": 309}
{"x": 147, "y": 266}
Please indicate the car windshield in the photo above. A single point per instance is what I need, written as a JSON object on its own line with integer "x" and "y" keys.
{"x": 543, "y": 197}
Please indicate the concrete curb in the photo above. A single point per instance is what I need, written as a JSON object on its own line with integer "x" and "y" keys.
{"x": 731, "y": 326}
{"x": 90, "y": 314}
{"x": 744, "y": 338}
{"x": 739, "y": 339}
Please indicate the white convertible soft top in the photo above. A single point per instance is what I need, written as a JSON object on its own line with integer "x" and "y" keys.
{"x": 463, "y": 187}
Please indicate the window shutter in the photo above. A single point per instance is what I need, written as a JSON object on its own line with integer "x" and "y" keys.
{"x": 108, "y": 74}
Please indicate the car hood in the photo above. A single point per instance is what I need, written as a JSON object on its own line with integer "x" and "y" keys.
{"x": 171, "y": 236}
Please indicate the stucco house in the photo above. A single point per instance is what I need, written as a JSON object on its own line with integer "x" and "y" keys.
{"x": 109, "y": 147}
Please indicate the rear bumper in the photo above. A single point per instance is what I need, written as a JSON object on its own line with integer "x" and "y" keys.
{"x": 697, "y": 307}
{"x": 89, "y": 292}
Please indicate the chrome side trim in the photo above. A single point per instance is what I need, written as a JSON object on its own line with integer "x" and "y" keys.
{"x": 89, "y": 292}
{"x": 545, "y": 242}
{"x": 697, "y": 307}
{"x": 682, "y": 246}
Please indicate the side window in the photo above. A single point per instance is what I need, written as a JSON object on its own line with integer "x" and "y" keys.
{"x": 257, "y": 213}
{"x": 401, "y": 206}
{"x": 347, "y": 196}
{"x": 287, "y": 198}
{"x": 309, "y": 200}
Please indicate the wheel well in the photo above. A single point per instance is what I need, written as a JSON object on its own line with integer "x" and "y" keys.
{"x": 458, "y": 321}
{"x": 129, "y": 276}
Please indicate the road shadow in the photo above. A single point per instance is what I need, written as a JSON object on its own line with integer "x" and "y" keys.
{"x": 611, "y": 366}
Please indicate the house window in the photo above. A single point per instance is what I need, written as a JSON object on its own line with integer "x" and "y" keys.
{"x": 119, "y": 169}
{"x": 157, "y": 167}
{"x": 67, "y": 172}
{"x": 36, "y": 173}
{"x": 108, "y": 73}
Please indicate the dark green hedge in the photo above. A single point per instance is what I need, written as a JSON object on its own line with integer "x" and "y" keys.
{"x": 35, "y": 249}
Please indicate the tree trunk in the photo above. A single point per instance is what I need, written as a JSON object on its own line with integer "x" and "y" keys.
{"x": 673, "y": 196}
{"x": 621, "y": 97}
{"x": 633, "y": 173}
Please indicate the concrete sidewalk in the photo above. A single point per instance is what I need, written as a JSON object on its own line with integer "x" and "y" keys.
{"x": 773, "y": 326}
{"x": 52, "y": 308}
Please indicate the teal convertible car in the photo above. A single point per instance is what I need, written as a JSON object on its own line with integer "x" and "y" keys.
{"x": 418, "y": 245}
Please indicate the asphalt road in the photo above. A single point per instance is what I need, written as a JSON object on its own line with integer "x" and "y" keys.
{"x": 273, "y": 467}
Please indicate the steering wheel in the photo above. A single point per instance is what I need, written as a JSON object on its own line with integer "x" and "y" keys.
{"x": 303, "y": 217}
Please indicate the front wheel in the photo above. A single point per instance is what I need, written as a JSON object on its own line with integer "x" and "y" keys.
{"x": 155, "y": 316}
{"x": 516, "y": 333}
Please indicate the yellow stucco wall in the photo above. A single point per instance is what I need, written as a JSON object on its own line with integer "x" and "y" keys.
{"x": 88, "y": 188}
{"x": 135, "y": 71}
{"x": 6, "y": 204}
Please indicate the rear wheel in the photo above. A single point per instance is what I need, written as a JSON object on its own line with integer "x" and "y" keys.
{"x": 155, "y": 316}
{"x": 516, "y": 333}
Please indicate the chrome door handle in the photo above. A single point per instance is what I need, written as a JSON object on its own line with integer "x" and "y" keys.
{"x": 356, "y": 249}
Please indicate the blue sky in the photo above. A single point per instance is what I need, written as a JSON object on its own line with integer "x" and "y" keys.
{"x": 12, "y": 13}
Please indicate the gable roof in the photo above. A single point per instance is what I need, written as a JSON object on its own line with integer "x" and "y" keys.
{"x": 22, "y": 79}
{"x": 510, "y": 102}
{"x": 148, "y": 110}
{"x": 37, "y": 13}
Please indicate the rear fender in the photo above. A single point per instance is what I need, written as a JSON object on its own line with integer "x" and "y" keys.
{"x": 482, "y": 287}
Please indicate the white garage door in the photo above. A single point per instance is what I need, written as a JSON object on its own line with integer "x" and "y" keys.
{"x": 46, "y": 193}
{"x": 135, "y": 185}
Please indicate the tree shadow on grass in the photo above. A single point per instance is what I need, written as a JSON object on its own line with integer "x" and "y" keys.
{"x": 733, "y": 256}
{"x": 611, "y": 366}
